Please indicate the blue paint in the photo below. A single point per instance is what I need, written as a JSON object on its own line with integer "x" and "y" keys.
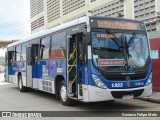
{"x": 16, "y": 67}
{"x": 108, "y": 83}
{"x": 48, "y": 69}
{"x": 10, "y": 69}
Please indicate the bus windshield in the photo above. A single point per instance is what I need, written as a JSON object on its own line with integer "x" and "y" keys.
{"x": 120, "y": 51}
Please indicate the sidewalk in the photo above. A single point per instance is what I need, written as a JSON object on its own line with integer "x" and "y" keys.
{"x": 154, "y": 98}
{"x": 2, "y": 80}
{"x": 2, "y": 77}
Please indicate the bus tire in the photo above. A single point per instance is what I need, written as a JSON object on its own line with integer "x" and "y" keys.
{"x": 63, "y": 94}
{"x": 20, "y": 84}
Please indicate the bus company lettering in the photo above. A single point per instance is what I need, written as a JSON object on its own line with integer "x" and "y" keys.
{"x": 111, "y": 62}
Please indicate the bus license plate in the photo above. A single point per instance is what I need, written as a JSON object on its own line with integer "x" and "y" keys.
{"x": 130, "y": 96}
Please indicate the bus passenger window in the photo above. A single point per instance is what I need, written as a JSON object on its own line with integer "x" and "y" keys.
{"x": 18, "y": 52}
{"x": 10, "y": 57}
{"x": 23, "y": 54}
{"x": 58, "y": 46}
{"x": 45, "y": 48}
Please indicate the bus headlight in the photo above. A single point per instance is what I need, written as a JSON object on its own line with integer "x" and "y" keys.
{"x": 149, "y": 81}
{"x": 98, "y": 82}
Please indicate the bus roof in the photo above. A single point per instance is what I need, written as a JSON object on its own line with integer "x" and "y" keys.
{"x": 63, "y": 26}
{"x": 57, "y": 28}
{"x": 116, "y": 18}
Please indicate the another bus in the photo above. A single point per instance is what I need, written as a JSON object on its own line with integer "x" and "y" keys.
{"x": 89, "y": 59}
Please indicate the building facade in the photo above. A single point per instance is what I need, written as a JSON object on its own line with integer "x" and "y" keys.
{"x": 46, "y": 14}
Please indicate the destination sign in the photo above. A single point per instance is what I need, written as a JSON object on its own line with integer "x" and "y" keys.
{"x": 106, "y": 35}
{"x": 111, "y": 62}
{"x": 117, "y": 25}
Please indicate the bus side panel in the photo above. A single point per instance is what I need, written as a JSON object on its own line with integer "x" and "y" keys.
{"x": 34, "y": 70}
{"x": 11, "y": 72}
{"x": 6, "y": 73}
{"x": 6, "y": 67}
{"x": 23, "y": 72}
{"x": 47, "y": 70}
{"x": 19, "y": 67}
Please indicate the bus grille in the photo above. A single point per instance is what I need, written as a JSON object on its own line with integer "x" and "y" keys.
{"x": 123, "y": 77}
{"x": 47, "y": 86}
{"x": 119, "y": 94}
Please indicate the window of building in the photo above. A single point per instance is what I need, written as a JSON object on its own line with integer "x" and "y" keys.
{"x": 153, "y": 12}
{"x": 152, "y": 1}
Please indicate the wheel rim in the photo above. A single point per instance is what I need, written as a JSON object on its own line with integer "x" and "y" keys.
{"x": 63, "y": 93}
{"x": 20, "y": 84}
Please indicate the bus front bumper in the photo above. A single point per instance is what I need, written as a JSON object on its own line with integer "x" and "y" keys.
{"x": 95, "y": 94}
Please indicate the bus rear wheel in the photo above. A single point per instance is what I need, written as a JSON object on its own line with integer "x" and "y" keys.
{"x": 20, "y": 84}
{"x": 63, "y": 95}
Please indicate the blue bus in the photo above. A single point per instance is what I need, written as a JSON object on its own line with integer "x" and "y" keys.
{"x": 89, "y": 59}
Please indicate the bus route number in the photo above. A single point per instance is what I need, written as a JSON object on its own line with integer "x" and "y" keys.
{"x": 117, "y": 85}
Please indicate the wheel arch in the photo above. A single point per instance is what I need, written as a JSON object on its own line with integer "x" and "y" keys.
{"x": 58, "y": 80}
{"x": 19, "y": 74}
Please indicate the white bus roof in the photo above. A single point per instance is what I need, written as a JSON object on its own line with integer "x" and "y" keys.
{"x": 57, "y": 28}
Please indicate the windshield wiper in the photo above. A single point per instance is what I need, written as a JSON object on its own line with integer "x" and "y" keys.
{"x": 116, "y": 40}
{"x": 131, "y": 39}
{"x": 121, "y": 45}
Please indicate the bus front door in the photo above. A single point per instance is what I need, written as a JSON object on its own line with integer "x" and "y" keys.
{"x": 74, "y": 66}
{"x": 32, "y": 53}
{"x": 9, "y": 69}
{"x": 29, "y": 67}
{"x": 6, "y": 67}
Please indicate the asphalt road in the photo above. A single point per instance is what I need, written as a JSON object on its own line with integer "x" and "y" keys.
{"x": 13, "y": 100}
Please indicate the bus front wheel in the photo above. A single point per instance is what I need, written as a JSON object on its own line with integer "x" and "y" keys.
{"x": 20, "y": 84}
{"x": 63, "y": 95}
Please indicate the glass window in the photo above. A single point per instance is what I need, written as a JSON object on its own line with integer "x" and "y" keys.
{"x": 45, "y": 47}
{"x": 23, "y": 54}
{"x": 120, "y": 51}
{"x": 14, "y": 54}
{"x": 18, "y": 52}
{"x": 138, "y": 51}
{"x": 58, "y": 45}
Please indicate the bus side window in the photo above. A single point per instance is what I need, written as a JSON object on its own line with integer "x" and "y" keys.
{"x": 58, "y": 45}
{"x": 23, "y": 53}
{"x": 45, "y": 48}
{"x": 35, "y": 52}
{"x": 10, "y": 57}
{"x": 18, "y": 52}
{"x": 41, "y": 50}
{"x": 29, "y": 56}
